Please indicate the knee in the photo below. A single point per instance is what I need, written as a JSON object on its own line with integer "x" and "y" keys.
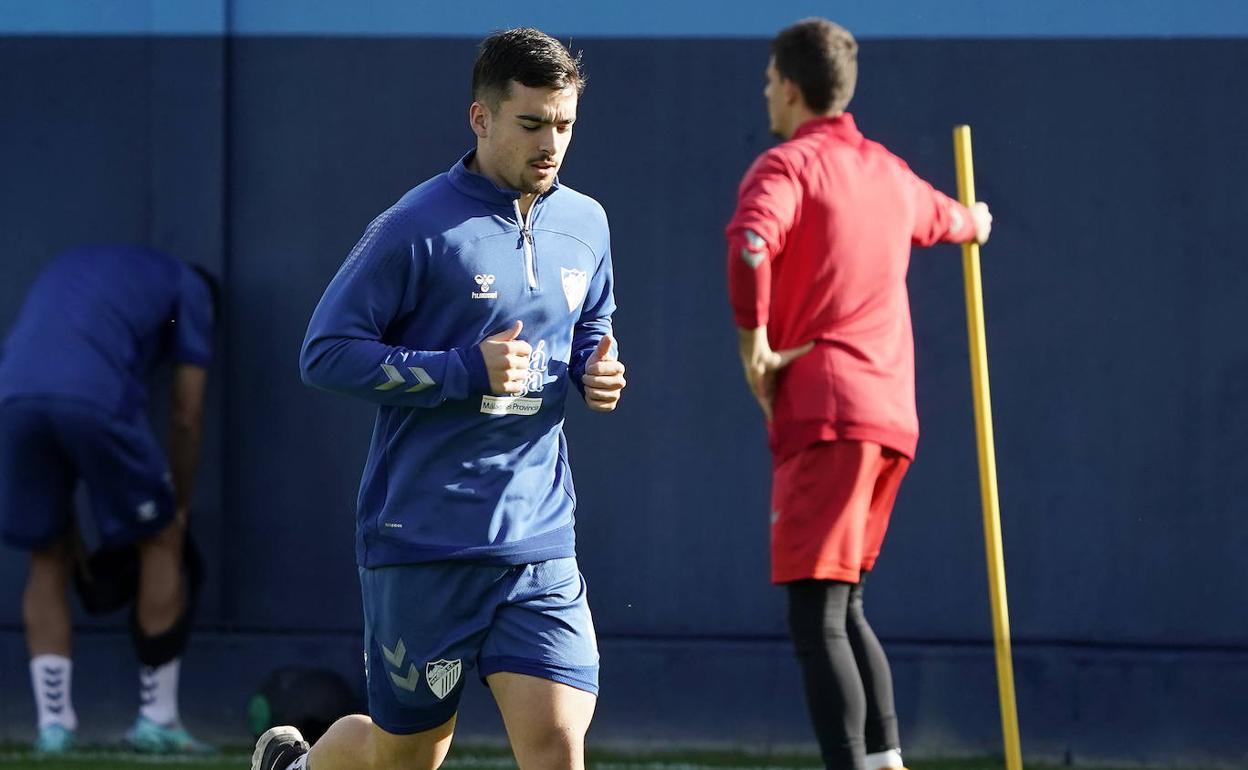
{"x": 555, "y": 746}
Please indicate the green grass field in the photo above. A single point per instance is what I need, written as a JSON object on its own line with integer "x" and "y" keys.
{"x": 485, "y": 759}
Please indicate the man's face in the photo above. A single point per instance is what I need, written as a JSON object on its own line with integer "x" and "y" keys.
{"x": 777, "y": 106}
{"x": 522, "y": 142}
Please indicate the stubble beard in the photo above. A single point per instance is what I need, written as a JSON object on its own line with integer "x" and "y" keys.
{"x": 529, "y": 186}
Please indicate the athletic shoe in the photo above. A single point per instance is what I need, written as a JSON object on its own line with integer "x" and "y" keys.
{"x": 150, "y": 737}
{"x": 54, "y": 739}
{"x": 277, "y": 748}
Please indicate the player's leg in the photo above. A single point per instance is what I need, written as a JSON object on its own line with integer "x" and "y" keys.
{"x": 161, "y": 628}
{"x": 357, "y": 742}
{"x": 883, "y": 740}
{"x": 540, "y": 660}
{"x": 126, "y": 475}
{"x": 45, "y": 612}
{"x": 820, "y": 502}
{"x": 45, "y": 601}
{"x": 161, "y": 601}
{"x": 883, "y": 743}
{"x": 834, "y": 691}
{"x": 36, "y": 487}
{"x": 424, "y": 625}
{"x": 546, "y": 721}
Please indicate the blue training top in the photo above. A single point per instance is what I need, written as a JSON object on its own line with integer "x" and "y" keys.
{"x": 96, "y": 322}
{"x": 454, "y": 472}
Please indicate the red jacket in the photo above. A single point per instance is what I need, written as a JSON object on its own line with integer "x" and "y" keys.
{"x": 818, "y": 250}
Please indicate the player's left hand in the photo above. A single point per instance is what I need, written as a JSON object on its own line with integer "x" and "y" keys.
{"x": 604, "y": 377}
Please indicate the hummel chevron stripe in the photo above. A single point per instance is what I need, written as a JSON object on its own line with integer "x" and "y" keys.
{"x": 409, "y": 682}
{"x": 395, "y": 658}
{"x": 394, "y": 378}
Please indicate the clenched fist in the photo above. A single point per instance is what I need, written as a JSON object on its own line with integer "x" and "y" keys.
{"x": 604, "y": 377}
{"x": 506, "y": 360}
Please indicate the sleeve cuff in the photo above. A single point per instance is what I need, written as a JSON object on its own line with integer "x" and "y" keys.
{"x": 474, "y": 363}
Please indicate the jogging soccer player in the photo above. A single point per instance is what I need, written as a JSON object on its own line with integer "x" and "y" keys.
{"x": 818, "y": 250}
{"x": 466, "y": 312}
{"x": 73, "y": 395}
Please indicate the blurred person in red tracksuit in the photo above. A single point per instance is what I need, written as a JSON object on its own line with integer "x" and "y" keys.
{"x": 818, "y": 250}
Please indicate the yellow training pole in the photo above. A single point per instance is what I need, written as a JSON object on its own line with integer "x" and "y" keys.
{"x": 987, "y": 458}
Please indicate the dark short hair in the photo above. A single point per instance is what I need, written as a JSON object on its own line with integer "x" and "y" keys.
{"x": 528, "y": 56}
{"x": 822, "y": 59}
{"x": 214, "y": 287}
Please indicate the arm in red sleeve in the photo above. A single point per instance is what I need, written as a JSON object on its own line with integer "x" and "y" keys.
{"x": 937, "y": 216}
{"x": 767, "y": 206}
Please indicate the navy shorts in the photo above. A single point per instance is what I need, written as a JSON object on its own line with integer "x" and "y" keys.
{"x": 48, "y": 445}
{"x": 427, "y": 626}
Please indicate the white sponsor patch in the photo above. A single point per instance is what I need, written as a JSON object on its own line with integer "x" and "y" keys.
{"x": 574, "y": 284}
{"x": 510, "y": 405}
{"x": 442, "y": 676}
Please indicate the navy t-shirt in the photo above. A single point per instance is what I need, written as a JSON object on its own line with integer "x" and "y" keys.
{"x": 97, "y": 321}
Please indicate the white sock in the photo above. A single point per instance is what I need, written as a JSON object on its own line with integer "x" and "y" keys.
{"x": 158, "y": 692}
{"x": 299, "y": 764}
{"x": 50, "y": 676}
{"x": 884, "y": 760}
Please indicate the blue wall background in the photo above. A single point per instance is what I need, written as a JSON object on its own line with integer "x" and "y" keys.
{"x": 1114, "y": 284}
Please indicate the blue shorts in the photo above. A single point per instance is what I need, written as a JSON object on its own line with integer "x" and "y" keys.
{"x": 426, "y": 626}
{"x": 48, "y": 445}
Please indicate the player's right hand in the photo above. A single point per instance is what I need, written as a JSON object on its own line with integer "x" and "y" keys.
{"x": 983, "y": 222}
{"x": 506, "y": 360}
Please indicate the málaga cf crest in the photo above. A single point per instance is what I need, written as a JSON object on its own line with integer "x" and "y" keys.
{"x": 442, "y": 676}
{"x": 574, "y": 282}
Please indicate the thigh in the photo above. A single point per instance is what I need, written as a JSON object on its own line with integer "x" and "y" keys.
{"x": 546, "y": 720}
{"x": 424, "y": 625}
{"x": 544, "y": 628}
{"x": 36, "y": 478}
{"x": 125, "y": 472}
{"x": 821, "y": 500}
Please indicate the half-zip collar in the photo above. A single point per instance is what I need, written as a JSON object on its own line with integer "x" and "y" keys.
{"x": 478, "y": 186}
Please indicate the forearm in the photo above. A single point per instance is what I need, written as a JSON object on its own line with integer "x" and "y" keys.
{"x": 392, "y": 376}
{"x": 184, "y": 446}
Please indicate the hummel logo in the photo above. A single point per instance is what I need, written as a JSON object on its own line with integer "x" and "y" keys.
{"x": 485, "y": 281}
{"x": 755, "y": 249}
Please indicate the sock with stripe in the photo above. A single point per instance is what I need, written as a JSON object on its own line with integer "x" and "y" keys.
{"x": 158, "y": 692}
{"x": 51, "y": 677}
